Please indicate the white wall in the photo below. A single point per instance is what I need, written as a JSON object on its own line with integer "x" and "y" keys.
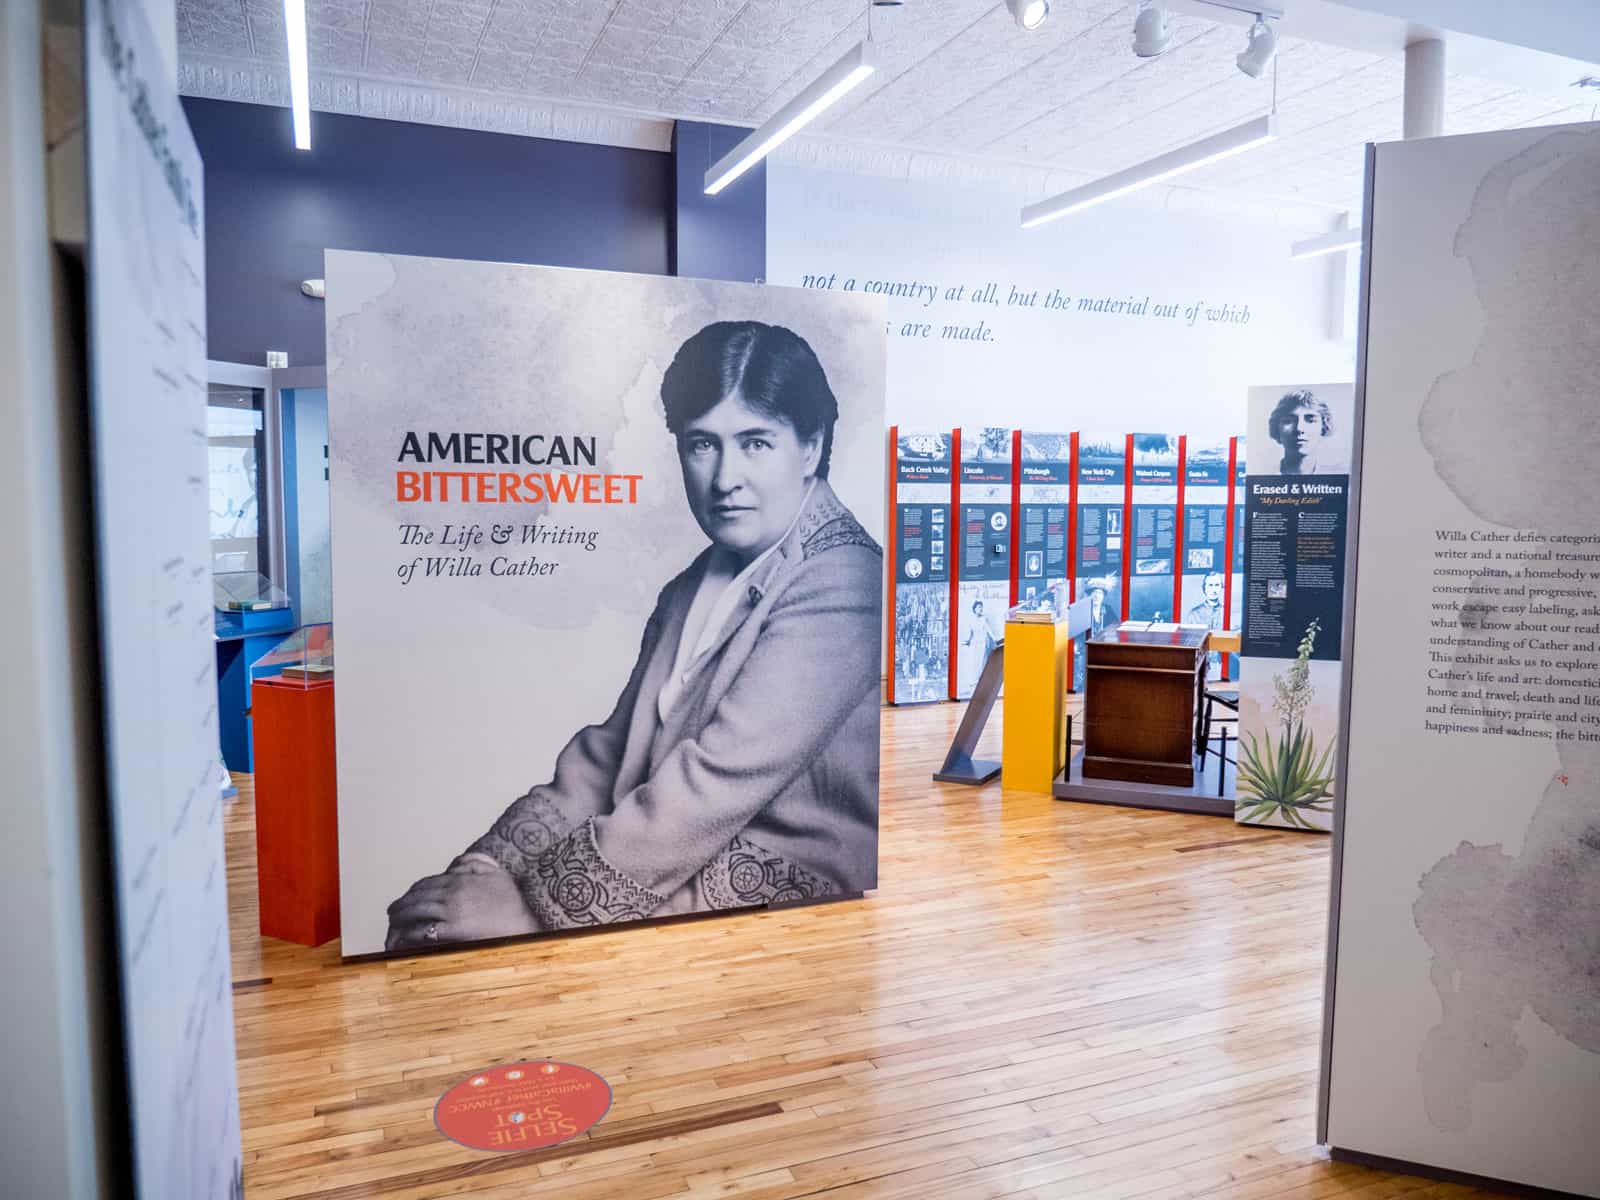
{"x": 1073, "y": 369}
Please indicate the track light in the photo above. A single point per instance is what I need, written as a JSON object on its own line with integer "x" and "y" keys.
{"x": 1187, "y": 158}
{"x": 1260, "y": 50}
{"x": 820, "y": 94}
{"x": 1151, "y": 33}
{"x": 1029, "y": 14}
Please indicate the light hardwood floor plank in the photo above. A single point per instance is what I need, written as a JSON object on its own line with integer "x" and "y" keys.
{"x": 1040, "y": 1000}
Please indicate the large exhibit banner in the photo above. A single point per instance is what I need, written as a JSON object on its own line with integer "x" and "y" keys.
{"x": 922, "y": 539}
{"x": 984, "y": 566}
{"x": 1294, "y": 560}
{"x": 145, "y": 262}
{"x": 1150, "y": 570}
{"x": 1465, "y": 1013}
{"x": 608, "y": 582}
{"x": 1044, "y": 499}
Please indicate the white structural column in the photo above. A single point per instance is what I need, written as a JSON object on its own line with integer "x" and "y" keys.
{"x": 1424, "y": 115}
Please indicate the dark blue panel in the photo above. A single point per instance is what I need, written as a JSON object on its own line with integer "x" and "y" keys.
{"x": 405, "y": 189}
{"x": 722, "y": 236}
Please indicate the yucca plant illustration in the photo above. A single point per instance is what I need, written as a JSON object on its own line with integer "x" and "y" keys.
{"x": 1287, "y": 779}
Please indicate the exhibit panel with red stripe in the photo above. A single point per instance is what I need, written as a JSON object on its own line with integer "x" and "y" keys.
{"x": 1149, "y": 568}
{"x": 1204, "y": 523}
{"x": 984, "y": 550}
{"x": 1044, "y": 499}
{"x": 1145, "y": 525}
{"x": 920, "y": 561}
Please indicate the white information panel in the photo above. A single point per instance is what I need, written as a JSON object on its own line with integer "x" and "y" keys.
{"x": 147, "y": 376}
{"x": 1465, "y": 1029}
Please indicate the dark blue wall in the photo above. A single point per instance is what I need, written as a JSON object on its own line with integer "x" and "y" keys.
{"x": 722, "y": 236}
{"x": 405, "y": 189}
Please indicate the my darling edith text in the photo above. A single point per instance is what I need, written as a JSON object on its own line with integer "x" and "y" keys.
{"x": 563, "y": 486}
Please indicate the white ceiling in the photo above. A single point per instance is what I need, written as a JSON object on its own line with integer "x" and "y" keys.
{"x": 957, "y": 78}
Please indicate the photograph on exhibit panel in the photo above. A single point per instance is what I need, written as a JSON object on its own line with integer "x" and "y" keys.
{"x": 1203, "y": 596}
{"x": 983, "y": 603}
{"x": 928, "y": 448}
{"x": 608, "y": 578}
{"x": 1150, "y": 598}
{"x": 987, "y": 444}
{"x": 1305, "y": 430}
{"x": 1104, "y": 593}
{"x": 921, "y": 642}
{"x": 1206, "y": 462}
{"x": 1047, "y": 448}
{"x": 1105, "y": 601}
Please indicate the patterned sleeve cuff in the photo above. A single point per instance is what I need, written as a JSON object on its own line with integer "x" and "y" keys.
{"x": 575, "y": 887}
{"x": 746, "y": 876}
{"x": 524, "y": 831}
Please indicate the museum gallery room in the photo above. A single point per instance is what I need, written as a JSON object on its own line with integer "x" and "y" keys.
{"x": 669, "y": 599}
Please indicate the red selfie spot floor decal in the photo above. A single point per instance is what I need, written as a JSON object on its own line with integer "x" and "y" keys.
{"x": 522, "y": 1106}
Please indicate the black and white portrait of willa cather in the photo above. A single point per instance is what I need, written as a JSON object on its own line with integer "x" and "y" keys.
{"x": 740, "y": 764}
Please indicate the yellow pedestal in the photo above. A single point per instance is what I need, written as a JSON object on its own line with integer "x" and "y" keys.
{"x": 1035, "y": 706}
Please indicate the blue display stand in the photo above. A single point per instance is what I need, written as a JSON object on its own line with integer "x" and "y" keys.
{"x": 242, "y": 638}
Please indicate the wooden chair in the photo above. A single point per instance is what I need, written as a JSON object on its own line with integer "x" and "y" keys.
{"x": 1227, "y": 695}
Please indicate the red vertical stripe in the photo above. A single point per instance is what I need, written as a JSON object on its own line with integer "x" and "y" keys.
{"x": 1072, "y": 546}
{"x": 1227, "y": 593}
{"x": 1177, "y": 530}
{"x": 1016, "y": 510}
{"x": 892, "y": 522}
{"x": 1127, "y": 531}
{"x": 1072, "y": 522}
{"x": 958, "y": 530}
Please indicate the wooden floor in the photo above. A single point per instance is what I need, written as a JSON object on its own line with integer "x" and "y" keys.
{"x": 1041, "y": 1000}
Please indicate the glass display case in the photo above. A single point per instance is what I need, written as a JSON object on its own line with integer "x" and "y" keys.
{"x": 246, "y": 591}
{"x": 247, "y": 602}
{"x": 303, "y": 658}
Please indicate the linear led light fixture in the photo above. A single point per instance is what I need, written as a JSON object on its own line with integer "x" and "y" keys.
{"x": 1327, "y": 243}
{"x": 294, "y": 23}
{"x": 1265, "y": 9}
{"x": 819, "y": 95}
{"x": 1176, "y": 162}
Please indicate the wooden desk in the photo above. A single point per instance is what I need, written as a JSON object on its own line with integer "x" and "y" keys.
{"x": 1142, "y": 705}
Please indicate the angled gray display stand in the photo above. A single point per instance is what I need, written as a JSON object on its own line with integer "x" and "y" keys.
{"x": 959, "y": 765}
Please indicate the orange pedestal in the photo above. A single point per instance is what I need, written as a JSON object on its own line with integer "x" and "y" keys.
{"x": 297, "y": 825}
